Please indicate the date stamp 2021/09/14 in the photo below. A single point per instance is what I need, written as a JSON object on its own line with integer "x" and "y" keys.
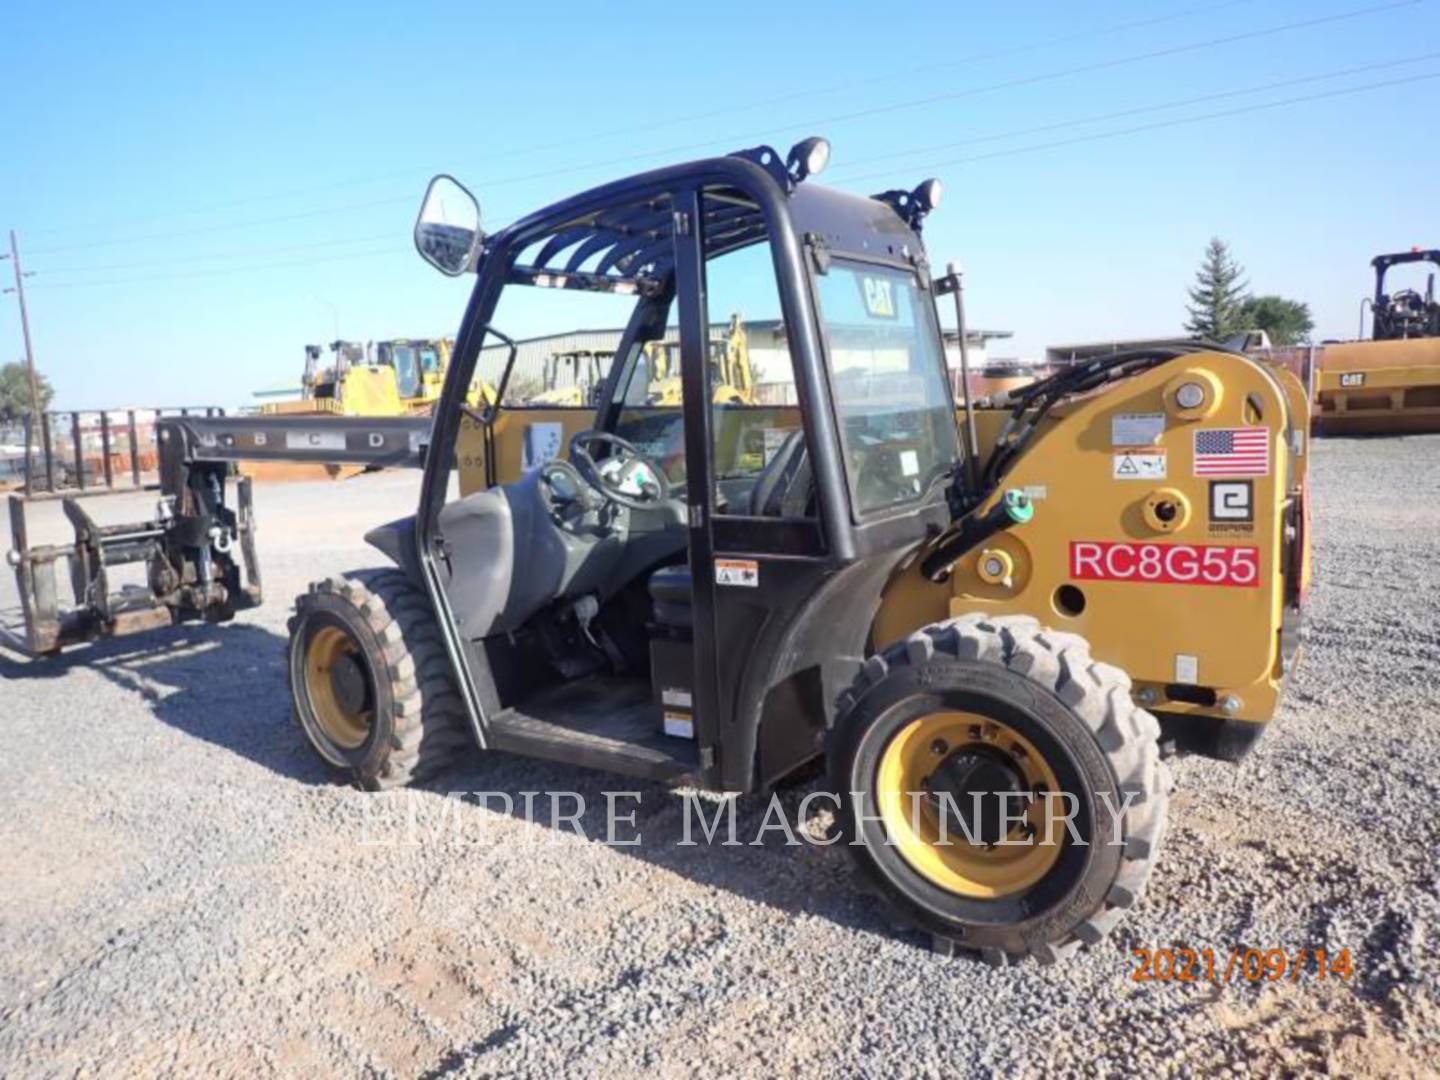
{"x": 1238, "y": 964}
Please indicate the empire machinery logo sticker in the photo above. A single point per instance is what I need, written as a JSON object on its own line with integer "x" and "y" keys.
{"x": 1232, "y": 506}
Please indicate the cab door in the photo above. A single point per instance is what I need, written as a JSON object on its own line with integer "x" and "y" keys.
{"x": 759, "y": 557}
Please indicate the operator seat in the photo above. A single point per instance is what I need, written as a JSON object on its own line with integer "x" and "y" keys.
{"x": 670, "y": 597}
{"x": 784, "y": 488}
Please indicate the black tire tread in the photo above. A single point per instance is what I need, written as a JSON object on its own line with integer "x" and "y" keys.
{"x": 428, "y": 720}
{"x": 1096, "y": 692}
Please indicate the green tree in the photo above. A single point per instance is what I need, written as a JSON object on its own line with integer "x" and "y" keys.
{"x": 15, "y": 392}
{"x": 1217, "y": 295}
{"x": 1288, "y": 322}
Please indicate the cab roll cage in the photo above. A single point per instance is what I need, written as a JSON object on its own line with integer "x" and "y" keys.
{"x": 650, "y": 235}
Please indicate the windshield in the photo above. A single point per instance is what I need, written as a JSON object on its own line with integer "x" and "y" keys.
{"x": 407, "y": 371}
{"x": 888, "y": 372}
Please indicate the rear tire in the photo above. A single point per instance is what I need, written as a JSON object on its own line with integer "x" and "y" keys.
{"x": 1023, "y": 704}
{"x": 370, "y": 680}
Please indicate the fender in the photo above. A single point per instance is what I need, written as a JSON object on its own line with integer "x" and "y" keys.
{"x": 396, "y": 540}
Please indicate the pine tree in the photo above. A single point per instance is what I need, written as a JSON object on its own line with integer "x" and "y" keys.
{"x": 1217, "y": 297}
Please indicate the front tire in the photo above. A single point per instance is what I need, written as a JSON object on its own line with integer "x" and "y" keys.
{"x": 370, "y": 680}
{"x": 985, "y": 705}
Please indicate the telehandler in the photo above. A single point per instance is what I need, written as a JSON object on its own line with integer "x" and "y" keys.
{"x": 975, "y": 624}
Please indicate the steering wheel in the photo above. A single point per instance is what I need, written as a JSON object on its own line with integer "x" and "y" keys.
{"x": 627, "y": 477}
{"x": 565, "y": 487}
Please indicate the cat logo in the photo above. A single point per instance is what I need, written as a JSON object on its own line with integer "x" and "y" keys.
{"x": 879, "y": 297}
{"x": 1352, "y": 378}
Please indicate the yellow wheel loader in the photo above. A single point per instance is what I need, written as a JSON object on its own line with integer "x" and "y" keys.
{"x": 987, "y": 630}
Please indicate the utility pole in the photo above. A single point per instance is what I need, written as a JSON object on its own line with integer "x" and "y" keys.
{"x": 19, "y": 291}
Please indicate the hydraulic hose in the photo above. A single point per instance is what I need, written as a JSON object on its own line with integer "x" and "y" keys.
{"x": 1014, "y": 508}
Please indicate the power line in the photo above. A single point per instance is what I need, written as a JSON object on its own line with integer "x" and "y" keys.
{"x": 905, "y": 73}
{"x": 227, "y": 271}
{"x": 1139, "y": 110}
{"x": 975, "y": 91}
{"x": 226, "y": 226}
{"x": 1034, "y": 148}
{"x": 217, "y": 257}
{"x": 1260, "y": 107}
{"x": 813, "y": 124}
{"x": 1103, "y": 65}
{"x": 842, "y": 167}
{"x": 988, "y": 54}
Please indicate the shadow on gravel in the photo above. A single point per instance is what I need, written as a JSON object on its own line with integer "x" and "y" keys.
{"x": 224, "y": 684}
{"x": 755, "y": 859}
{"x": 227, "y": 685}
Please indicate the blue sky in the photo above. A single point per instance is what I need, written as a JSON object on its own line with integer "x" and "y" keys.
{"x": 204, "y": 188}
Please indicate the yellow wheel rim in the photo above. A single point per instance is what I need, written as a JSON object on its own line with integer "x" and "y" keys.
{"x": 913, "y": 823}
{"x": 329, "y": 646}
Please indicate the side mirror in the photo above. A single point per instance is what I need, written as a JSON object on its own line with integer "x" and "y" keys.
{"x": 447, "y": 232}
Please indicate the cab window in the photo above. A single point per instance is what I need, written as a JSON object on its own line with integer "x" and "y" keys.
{"x": 650, "y": 413}
{"x": 760, "y": 461}
{"x": 897, "y": 418}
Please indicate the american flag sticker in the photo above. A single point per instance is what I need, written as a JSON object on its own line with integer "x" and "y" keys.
{"x": 1241, "y": 451}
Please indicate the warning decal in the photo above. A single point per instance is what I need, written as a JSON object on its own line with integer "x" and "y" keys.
{"x": 1187, "y": 669}
{"x": 744, "y": 572}
{"x": 1139, "y": 465}
{"x": 1136, "y": 429}
{"x": 680, "y": 725}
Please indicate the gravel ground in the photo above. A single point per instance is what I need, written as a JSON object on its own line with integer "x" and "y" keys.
{"x": 184, "y": 889}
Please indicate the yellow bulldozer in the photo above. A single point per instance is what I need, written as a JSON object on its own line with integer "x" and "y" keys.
{"x": 395, "y": 377}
